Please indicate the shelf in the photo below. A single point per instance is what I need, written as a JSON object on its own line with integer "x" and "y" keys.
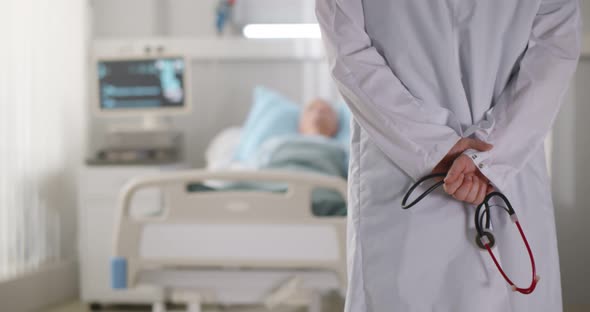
{"x": 227, "y": 49}
{"x": 212, "y": 49}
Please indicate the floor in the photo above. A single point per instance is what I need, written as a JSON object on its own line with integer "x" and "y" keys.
{"x": 78, "y": 307}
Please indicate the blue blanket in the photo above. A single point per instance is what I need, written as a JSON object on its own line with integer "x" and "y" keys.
{"x": 303, "y": 153}
{"x": 299, "y": 153}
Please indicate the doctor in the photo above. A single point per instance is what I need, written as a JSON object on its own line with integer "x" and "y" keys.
{"x": 428, "y": 82}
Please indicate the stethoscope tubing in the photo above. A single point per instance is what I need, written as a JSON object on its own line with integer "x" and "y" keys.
{"x": 482, "y": 211}
{"x": 426, "y": 193}
{"x": 535, "y": 277}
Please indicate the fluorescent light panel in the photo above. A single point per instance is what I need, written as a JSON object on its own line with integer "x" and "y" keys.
{"x": 281, "y": 31}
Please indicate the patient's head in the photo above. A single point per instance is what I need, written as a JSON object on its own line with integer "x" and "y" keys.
{"x": 318, "y": 118}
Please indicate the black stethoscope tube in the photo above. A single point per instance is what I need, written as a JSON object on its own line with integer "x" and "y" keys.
{"x": 423, "y": 195}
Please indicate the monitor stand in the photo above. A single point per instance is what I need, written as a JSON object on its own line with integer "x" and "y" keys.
{"x": 148, "y": 123}
{"x": 153, "y": 123}
{"x": 152, "y": 140}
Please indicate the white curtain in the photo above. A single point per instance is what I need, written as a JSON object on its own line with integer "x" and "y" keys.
{"x": 41, "y": 118}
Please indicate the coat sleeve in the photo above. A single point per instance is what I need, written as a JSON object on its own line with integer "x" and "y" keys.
{"x": 524, "y": 113}
{"x": 413, "y": 137}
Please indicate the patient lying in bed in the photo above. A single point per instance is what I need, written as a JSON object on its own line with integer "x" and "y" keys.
{"x": 318, "y": 118}
{"x": 312, "y": 150}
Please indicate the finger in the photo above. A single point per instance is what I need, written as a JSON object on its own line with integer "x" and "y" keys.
{"x": 480, "y": 145}
{"x": 463, "y": 191}
{"x": 481, "y": 195}
{"x": 472, "y": 195}
{"x": 456, "y": 169}
{"x": 451, "y": 188}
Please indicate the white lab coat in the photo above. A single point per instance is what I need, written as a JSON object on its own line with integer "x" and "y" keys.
{"x": 418, "y": 75}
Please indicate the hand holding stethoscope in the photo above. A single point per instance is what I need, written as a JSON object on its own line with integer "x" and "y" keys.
{"x": 485, "y": 239}
{"x": 464, "y": 181}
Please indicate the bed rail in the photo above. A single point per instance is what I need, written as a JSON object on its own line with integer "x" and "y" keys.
{"x": 238, "y": 208}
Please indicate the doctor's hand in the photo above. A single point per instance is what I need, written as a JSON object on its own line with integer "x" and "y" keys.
{"x": 465, "y": 182}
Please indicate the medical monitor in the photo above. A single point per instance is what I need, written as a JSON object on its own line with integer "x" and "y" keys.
{"x": 142, "y": 86}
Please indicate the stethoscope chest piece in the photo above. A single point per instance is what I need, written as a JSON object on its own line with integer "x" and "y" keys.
{"x": 486, "y": 238}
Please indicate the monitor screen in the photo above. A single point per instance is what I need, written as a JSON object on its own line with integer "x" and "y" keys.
{"x": 156, "y": 83}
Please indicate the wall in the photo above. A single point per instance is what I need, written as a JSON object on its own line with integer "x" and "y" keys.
{"x": 586, "y": 15}
{"x": 73, "y": 129}
{"x": 133, "y": 18}
{"x": 186, "y": 18}
{"x": 571, "y": 182}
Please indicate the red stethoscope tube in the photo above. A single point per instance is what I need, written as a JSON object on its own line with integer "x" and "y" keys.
{"x": 483, "y": 235}
{"x": 535, "y": 277}
{"x": 485, "y": 242}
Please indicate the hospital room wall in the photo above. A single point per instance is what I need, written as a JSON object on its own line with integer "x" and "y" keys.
{"x": 143, "y": 18}
{"x": 571, "y": 182}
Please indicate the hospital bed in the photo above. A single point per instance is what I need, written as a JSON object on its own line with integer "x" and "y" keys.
{"x": 231, "y": 247}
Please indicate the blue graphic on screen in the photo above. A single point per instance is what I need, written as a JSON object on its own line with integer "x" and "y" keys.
{"x": 137, "y": 84}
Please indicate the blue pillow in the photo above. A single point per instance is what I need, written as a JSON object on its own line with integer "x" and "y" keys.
{"x": 343, "y": 135}
{"x": 344, "y": 115}
{"x": 271, "y": 115}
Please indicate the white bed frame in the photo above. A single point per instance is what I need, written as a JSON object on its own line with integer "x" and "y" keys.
{"x": 234, "y": 247}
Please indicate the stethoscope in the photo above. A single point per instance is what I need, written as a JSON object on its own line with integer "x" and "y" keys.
{"x": 485, "y": 239}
